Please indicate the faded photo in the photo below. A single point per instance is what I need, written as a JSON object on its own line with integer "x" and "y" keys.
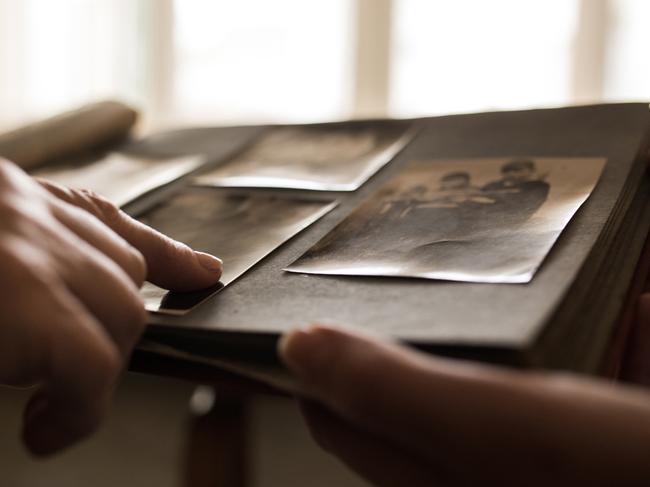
{"x": 326, "y": 158}
{"x": 477, "y": 220}
{"x": 239, "y": 229}
{"x": 119, "y": 177}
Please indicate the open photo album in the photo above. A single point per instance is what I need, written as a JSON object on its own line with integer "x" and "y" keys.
{"x": 509, "y": 237}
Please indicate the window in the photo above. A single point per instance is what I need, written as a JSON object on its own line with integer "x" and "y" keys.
{"x": 219, "y": 61}
{"x": 261, "y": 60}
{"x": 470, "y": 55}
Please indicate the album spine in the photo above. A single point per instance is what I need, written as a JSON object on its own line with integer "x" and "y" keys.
{"x": 68, "y": 135}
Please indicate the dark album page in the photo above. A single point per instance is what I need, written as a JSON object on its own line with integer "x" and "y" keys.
{"x": 241, "y": 229}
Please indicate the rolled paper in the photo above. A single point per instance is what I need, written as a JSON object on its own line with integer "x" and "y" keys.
{"x": 68, "y": 135}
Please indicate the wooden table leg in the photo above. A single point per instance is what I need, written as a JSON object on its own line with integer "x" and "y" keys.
{"x": 216, "y": 452}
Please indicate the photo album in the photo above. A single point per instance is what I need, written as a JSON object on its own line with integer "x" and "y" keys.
{"x": 508, "y": 237}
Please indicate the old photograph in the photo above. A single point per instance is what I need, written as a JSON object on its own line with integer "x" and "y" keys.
{"x": 326, "y": 158}
{"x": 119, "y": 177}
{"x": 477, "y": 220}
{"x": 240, "y": 229}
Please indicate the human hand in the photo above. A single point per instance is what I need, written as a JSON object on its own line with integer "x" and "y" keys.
{"x": 398, "y": 417}
{"x": 71, "y": 264}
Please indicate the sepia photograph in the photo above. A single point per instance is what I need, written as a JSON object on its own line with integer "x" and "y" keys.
{"x": 240, "y": 228}
{"x": 475, "y": 220}
{"x": 324, "y": 158}
{"x": 119, "y": 177}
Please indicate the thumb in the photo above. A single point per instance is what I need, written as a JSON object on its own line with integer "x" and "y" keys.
{"x": 383, "y": 388}
{"x": 354, "y": 374}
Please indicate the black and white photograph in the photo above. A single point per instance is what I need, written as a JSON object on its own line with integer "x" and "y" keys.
{"x": 475, "y": 220}
{"x": 323, "y": 158}
{"x": 121, "y": 178}
{"x": 240, "y": 228}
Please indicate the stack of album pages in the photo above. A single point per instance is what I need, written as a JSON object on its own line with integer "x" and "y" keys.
{"x": 508, "y": 237}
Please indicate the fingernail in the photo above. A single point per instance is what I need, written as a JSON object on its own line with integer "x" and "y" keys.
{"x": 210, "y": 262}
{"x": 305, "y": 351}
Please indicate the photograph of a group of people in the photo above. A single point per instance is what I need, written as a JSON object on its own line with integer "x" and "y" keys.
{"x": 515, "y": 196}
{"x": 482, "y": 220}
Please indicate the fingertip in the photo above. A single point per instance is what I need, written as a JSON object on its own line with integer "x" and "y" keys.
{"x": 343, "y": 368}
{"x": 286, "y": 345}
{"x": 291, "y": 347}
{"x": 212, "y": 264}
{"x": 177, "y": 267}
{"x": 198, "y": 270}
{"x": 170, "y": 264}
{"x": 308, "y": 350}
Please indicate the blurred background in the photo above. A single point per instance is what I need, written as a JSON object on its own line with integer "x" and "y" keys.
{"x": 192, "y": 62}
{"x": 221, "y": 61}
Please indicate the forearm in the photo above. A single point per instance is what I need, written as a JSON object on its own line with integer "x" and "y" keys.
{"x": 537, "y": 429}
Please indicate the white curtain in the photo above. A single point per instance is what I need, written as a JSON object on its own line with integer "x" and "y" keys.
{"x": 58, "y": 53}
{"x": 224, "y": 61}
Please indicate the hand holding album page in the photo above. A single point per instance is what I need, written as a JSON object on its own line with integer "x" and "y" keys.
{"x": 339, "y": 157}
{"x": 241, "y": 229}
{"x": 476, "y": 220}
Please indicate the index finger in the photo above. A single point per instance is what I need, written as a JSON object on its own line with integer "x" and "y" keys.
{"x": 170, "y": 264}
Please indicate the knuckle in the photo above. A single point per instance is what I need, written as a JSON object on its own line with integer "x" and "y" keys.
{"x": 7, "y": 170}
{"x": 10, "y": 212}
{"x": 89, "y": 193}
{"x": 171, "y": 250}
{"x": 4, "y": 171}
{"x": 137, "y": 312}
{"x": 177, "y": 250}
{"x": 134, "y": 322}
{"x": 108, "y": 211}
{"x": 138, "y": 267}
{"x": 126, "y": 322}
{"x": 132, "y": 264}
{"x": 81, "y": 199}
{"x": 61, "y": 192}
{"x": 22, "y": 264}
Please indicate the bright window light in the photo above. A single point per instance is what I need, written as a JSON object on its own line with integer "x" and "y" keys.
{"x": 627, "y": 76}
{"x": 256, "y": 59}
{"x": 469, "y": 55}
